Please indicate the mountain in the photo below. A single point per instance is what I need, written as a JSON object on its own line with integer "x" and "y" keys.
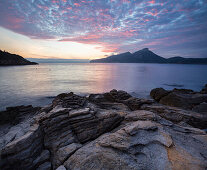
{"x": 181, "y": 60}
{"x": 13, "y": 59}
{"x": 147, "y": 56}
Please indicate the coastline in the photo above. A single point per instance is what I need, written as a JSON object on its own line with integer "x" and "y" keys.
{"x": 78, "y": 132}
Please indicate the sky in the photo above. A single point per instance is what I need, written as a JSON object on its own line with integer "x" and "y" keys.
{"x": 91, "y": 29}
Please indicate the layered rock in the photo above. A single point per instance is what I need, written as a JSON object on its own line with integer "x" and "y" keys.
{"x": 103, "y": 131}
{"x": 143, "y": 145}
{"x": 182, "y": 98}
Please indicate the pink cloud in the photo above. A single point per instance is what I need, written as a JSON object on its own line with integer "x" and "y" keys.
{"x": 151, "y": 2}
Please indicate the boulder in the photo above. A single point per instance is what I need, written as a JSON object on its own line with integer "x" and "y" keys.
{"x": 182, "y": 98}
{"x": 201, "y": 108}
{"x": 69, "y": 100}
{"x": 135, "y": 103}
{"x": 204, "y": 90}
{"x": 158, "y": 93}
{"x": 177, "y": 115}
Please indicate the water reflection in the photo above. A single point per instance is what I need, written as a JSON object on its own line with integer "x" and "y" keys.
{"x": 32, "y": 84}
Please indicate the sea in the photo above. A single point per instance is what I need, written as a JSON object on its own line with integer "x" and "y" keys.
{"x": 39, "y": 84}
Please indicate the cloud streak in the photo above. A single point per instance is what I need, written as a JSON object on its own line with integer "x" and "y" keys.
{"x": 113, "y": 25}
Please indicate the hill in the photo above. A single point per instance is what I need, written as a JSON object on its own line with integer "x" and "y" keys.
{"x": 13, "y": 59}
{"x": 147, "y": 56}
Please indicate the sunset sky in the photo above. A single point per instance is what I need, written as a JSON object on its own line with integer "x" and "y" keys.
{"x": 89, "y": 29}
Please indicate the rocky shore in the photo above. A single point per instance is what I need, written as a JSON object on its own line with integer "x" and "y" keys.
{"x": 108, "y": 131}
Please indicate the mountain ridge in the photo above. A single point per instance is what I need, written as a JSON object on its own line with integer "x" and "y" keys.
{"x": 8, "y": 59}
{"x": 147, "y": 56}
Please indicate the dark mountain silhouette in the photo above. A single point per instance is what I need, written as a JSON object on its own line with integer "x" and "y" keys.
{"x": 13, "y": 59}
{"x": 181, "y": 60}
{"x": 147, "y": 56}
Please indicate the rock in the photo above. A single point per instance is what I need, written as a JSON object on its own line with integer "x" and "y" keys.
{"x": 201, "y": 108}
{"x": 177, "y": 115}
{"x": 44, "y": 157}
{"x": 65, "y": 152}
{"x": 182, "y": 98}
{"x": 79, "y": 112}
{"x": 14, "y": 133}
{"x": 176, "y": 100}
{"x": 158, "y": 93}
{"x": 135, "y": 103}
{"x": 140, "y": 115}
{"x": 24, "y": 150}
{"x": 88, "y": 127}
{"x": 16, "y": 114}
{"x": 204, "y": 90}
{"x": 69, "y": 100}
{"x": 105, "y": 131}
{"x": 45, "y": 166}
{"x": 61, "y": 168}
{"x": 119, "y": 95}
{"x": 142, "y": 145}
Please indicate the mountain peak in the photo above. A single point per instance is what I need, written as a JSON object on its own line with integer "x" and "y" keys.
{"x": 145, "y": 49}
{"x": 147, "y": 56}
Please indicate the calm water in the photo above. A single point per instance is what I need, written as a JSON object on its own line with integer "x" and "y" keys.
{"x": 38, "y": 84}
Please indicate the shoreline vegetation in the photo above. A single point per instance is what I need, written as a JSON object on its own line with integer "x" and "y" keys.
{"x": 110, "y": 130}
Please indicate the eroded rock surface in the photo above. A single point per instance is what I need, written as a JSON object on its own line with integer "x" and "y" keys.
{"x": 103, "y": 131}
{"x": 182, "y": 98}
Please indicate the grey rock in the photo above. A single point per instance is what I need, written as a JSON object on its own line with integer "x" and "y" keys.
{"x": 61, "y": 168}
{"x": 106, "y": 131}
{"x": 201, "y": 108}
{"x": 65, "y": 152}
{"x": 158, "y": 93}
{"x": 182, "y": 98}
{"x": 45, "y": 166}
{"x": 44, "y": 157}
{"x": 140, "y": 115}
{"x": 142, "y": 145}
{"x": 177, "y": 115}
